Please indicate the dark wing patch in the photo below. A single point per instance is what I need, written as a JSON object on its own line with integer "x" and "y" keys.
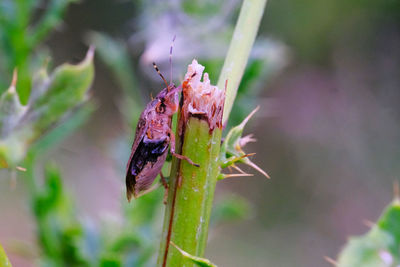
{"x": 141, "y": 128}
{"x": 147, "y": 151}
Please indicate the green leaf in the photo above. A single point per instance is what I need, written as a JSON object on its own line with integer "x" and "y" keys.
{"x": 11, "y": 109}
{"x": 232, "y": 152}
{"x": 380, "y": 247}
{"x": 67, "y": 87}
{"x": 4, "y": 262}
{"x": 196, "y": 260}
{"x": 11, "y": 112}
{"x": 52, "y": 100}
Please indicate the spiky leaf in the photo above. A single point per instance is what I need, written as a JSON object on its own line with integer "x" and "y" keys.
{"x": 52, "y": 99}
{"x": 202, "y": 262}
{"x": 232, "y": 148}
{"x": 380, "y": 247}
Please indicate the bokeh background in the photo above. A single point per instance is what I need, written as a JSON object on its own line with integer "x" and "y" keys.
{"x": 327, "y": 80}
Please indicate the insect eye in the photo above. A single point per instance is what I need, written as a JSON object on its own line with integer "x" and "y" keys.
{"x": 160, "y": 108}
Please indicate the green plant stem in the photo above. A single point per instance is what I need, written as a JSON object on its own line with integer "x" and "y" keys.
{"x": 239, "y": 50}
{"x": 191, "y": 192}
{"x": 191, "y": 189}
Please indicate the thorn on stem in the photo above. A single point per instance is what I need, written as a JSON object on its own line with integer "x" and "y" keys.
{"x": 331, "y": 261}
{"x": 238, "y": 169}
{"x": 244, "y": 122}
{"x": 236, "y": 175}
{"x": 14, "y": 78}
{"x": 251, "y": 164}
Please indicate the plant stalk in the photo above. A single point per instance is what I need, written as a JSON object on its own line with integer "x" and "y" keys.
{"x": 191, "y": 189}
{"x": 236, "y": 59}
{"x": 191, "y": 192}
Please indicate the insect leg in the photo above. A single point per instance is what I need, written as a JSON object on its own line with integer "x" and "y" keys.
{"x": 164, "y": 183}
{"x": 172, "y": 149}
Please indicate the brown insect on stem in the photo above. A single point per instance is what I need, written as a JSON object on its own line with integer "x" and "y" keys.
{"x": 153, "y": 137}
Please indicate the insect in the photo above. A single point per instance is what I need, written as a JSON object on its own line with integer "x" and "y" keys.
{"x": 152, "y": 138}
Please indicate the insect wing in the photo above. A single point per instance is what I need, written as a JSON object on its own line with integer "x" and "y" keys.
{"x": 146, "y": 177}
{"x": 145, "y": 164}
{"x": 141, "y": 129}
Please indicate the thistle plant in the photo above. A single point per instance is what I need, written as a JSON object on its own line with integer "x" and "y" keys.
{"x": 57, "y": 105}
{"x": 199, "y": 133}
{"x": 37, "y": 116}
{"x": 51, "y": 99}
{"x": 39, "y": 109}
{"x": 379, "y": 247}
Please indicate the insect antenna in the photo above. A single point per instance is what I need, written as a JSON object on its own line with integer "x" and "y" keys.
{"x": 170, "y": 59}
{"x": 159, "y": 73}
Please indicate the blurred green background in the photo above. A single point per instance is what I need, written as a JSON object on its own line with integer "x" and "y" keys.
{"x": 326, "y": 76}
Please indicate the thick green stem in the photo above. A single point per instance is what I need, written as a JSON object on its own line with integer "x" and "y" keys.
{"x": 191, "y": 189}
{"x": 239, "y": 50}
{"x": 191, "y": 192}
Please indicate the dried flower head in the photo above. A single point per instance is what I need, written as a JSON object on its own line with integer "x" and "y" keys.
{"x": 200, "y": 98}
